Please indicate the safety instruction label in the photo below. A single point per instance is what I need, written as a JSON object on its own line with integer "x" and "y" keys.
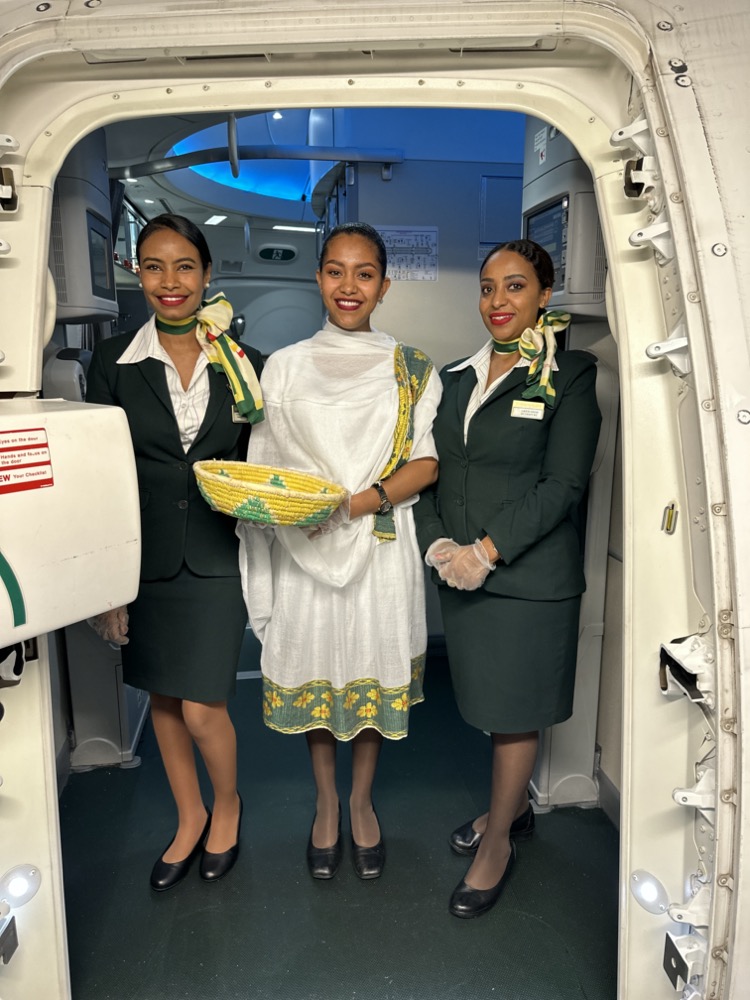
{"x": 412, "y": 252}
{"x": 25, "y": 461}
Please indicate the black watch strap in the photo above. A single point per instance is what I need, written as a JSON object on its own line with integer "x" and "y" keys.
{"x": 385, "y": 503}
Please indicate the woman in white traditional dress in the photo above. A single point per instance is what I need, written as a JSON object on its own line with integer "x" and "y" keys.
{"x": 340, "y": 610}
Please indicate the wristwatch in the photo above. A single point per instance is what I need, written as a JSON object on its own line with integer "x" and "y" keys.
{"x": 385, "y": 504}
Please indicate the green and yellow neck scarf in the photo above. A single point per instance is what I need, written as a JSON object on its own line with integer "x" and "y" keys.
{"x": 538, "y": 346}
{"x": 224, "y": 354}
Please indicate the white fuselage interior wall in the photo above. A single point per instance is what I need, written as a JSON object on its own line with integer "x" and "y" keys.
{"x": 609, "y": 724}
{"x": 30, "y": 835}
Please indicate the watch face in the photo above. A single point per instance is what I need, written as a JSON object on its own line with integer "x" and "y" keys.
{"x": 385, "y": 504}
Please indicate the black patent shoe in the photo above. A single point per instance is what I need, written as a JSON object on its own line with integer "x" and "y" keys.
{"x": 216, "y": 866}
{"x": 166, "y": 874}
{"x": 468, "y": 902}
{"x": 465, "y": 840}
{"x": 323, "y": 862}
{"x": 369, "y": 862}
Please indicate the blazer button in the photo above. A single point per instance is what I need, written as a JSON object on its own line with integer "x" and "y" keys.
{"x": 182, "y": 466}
{"x": 182, "y": 504}
{"x": 460, "y": 501}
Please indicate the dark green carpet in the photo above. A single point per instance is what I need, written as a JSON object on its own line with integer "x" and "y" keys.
{"x": 269, "y": 930}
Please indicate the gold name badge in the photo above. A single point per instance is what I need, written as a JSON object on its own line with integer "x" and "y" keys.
{"x": 527, "y": 409}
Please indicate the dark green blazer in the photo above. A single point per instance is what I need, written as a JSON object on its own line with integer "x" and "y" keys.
{"x": 177, "y": 525}
{"x": 520, "y": 481}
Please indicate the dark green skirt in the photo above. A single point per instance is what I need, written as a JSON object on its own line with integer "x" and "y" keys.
{"x": 512, "y": 662}
{"x": 185, "y": 637}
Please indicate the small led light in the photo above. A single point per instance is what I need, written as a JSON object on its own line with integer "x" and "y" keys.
{"x": 277, "y": 116}
{"x": 648, "y": 891}
{"x": 19, "y": 885}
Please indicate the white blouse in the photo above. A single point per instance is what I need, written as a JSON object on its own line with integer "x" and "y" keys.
{"x": 189, "y": 404}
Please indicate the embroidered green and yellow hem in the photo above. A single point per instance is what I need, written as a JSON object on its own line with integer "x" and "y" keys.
{"x": 363, "y": 703}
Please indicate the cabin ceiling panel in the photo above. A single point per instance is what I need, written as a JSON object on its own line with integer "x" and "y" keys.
{"x": 128, "y": 141}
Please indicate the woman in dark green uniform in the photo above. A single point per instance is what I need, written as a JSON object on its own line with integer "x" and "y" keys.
{"x": 190, "y": 393}
{"x": 516, "y": 433}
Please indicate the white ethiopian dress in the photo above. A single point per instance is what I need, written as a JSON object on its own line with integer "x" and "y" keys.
{"x": 341, "y": 616}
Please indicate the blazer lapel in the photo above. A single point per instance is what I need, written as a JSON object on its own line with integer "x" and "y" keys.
{"x": 515, "y": 378}
{"x": 469, "y": 379}
{"x": 153, "y": 372}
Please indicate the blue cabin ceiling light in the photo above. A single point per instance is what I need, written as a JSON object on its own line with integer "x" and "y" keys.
{"x": 260, "y": 165}
{"x": 286, "y": 179}
{"x": 260, "y": 155}
{"x": 286, "y": 165}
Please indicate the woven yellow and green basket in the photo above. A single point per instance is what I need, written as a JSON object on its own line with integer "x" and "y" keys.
{"x": 267, "y": 495}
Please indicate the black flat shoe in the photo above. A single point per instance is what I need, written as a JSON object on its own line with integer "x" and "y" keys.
{"x": 166, "y": 874}
{"x": 323, "y": 862}
{"x": 465, "y": 840}
{"x": 216, "y": 866}
{"x": 369, "y": 862}
{"x": 468, "y": 902}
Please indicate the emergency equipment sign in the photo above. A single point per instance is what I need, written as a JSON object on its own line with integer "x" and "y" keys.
{"x": 25, "y": 462}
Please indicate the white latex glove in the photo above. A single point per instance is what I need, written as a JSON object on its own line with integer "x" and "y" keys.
{"x": 340, "y": 516}
{"x": 112, "y": 626}
{"x": 440, "y": 552}
{"x": 467, "y": 568}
